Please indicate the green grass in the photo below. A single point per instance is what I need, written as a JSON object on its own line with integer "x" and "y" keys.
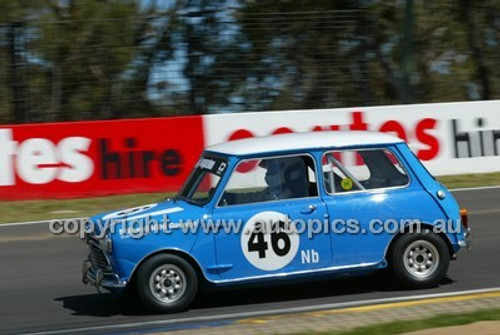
{"x": 16, "y": 211}
{"x": 471, "y": 180}
{"x": 31, "y": 210}
{"x": 399, "y": 327}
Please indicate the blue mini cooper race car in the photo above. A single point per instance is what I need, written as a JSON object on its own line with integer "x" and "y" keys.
{"x": 288, "y": 206}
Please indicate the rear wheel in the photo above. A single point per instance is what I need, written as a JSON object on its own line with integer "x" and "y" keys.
{"x": 167, "y": 283}
{"x": 420, "y": 260}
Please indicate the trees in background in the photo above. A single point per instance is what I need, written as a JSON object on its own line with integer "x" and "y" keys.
{"x": 86, "y": 59}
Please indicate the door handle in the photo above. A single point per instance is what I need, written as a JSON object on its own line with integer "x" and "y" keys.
{"x": 309, "y": 209}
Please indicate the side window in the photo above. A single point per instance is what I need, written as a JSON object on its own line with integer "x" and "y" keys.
{"x": 355, "y": 170}
{"x": 268, "y": 179}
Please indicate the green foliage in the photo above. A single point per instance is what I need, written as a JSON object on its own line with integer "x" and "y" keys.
{"x": 87, "y": 59}
{"x": 86, "y": 50}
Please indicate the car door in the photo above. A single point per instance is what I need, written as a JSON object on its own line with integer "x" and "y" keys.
{"x": 272, "y": 236}
{"x": 370, "y": 197}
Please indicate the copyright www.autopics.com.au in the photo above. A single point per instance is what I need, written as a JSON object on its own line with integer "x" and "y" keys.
{"x": 138, "y": 228}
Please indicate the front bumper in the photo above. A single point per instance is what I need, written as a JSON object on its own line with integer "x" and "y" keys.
{"x": 97, "y": 269}
{"x": 96, "y": 277}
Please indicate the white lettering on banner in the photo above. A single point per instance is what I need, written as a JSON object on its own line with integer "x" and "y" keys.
{"x": 36, "y": 158}
{"x": 40, "y": 161}
{"x": 7, "y": 150}
{"x": 80, "y": 165}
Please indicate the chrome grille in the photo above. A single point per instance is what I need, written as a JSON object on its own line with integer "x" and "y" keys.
{"x": 97, "y": 256}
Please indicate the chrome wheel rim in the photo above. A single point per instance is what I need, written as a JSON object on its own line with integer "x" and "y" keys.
{"x": 167, "y": 283}
{"x": 421, "y": 259}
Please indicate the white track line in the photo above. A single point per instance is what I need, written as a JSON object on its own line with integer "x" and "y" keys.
{"x": 11, "y": 224}
{"x": 252, "y": 314}
{"x": 474, "y": 188}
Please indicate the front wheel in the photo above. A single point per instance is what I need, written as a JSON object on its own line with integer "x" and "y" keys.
{"x": 167, "y": 283}
{"x": 420, "y": 260}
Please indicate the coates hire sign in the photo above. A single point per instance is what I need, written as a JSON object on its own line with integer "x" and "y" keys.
{"x": 152, "y": 155}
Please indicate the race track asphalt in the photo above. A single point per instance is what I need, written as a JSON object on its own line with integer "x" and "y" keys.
{"x": 41, "y": 290}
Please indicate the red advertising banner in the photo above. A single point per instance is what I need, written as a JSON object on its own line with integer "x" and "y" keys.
{"x": 78, "y": 159}
{"x": 74, "y": 159}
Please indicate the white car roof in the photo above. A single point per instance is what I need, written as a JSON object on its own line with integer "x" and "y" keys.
{"x": 300, "y": 141}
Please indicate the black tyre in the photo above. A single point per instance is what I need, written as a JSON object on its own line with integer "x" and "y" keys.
{"x": 419, "y": 260}
{"x": 167, "y": 283}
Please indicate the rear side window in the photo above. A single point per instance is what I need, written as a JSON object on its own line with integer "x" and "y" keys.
{"x": 358, "y": 170}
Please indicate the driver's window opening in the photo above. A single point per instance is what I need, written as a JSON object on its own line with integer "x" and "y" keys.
{"x": 356, "y": 170}
{"x": 268, "y": 179}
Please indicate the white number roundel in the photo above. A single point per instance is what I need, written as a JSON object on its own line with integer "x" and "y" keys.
{"x": 269, "y": 242}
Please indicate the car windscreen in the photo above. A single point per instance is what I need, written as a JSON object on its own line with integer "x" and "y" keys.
{"x": 204, "y": 178}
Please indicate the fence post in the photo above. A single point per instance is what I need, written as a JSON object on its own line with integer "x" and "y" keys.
{"x": 15, "y": 79}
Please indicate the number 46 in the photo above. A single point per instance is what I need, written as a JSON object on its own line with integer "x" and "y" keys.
{"x": 256, "y": 242}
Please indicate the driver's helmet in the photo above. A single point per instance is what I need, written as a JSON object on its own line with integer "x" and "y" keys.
{"x": 282, "y": 174}
{"x": 274, "y": 177}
